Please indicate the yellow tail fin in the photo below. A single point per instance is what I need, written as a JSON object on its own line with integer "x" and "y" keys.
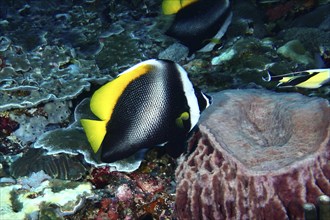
{"x": 95, "y": 132}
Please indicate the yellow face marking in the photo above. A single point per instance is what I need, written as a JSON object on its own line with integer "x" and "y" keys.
{"x": 183, "y": 117}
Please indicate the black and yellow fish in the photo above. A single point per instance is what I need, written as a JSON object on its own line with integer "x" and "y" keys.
{"x": 309, "y": 79}
{"x": 150, "y": 104}
{"x": 197, "y": 21}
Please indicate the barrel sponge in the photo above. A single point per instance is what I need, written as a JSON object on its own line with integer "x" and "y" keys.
{"x": 259, "y": 155}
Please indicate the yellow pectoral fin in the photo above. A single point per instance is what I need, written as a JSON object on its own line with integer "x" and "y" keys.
{"x": 183, "y": 117}
{"x": 95, "y": 132}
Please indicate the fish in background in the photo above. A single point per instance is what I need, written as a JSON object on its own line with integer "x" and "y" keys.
{"x": 266, "y": 1}
{"x": 173, "y": 6}
{"x": 151, "y": 104}
{"x": 198, "y": 24}
{"x": 308, "y": 79}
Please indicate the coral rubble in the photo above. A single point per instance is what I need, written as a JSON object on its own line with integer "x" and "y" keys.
{"x": 259, "y": 155}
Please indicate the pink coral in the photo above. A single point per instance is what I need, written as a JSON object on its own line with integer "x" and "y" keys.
{"x": 124, "y": 193}
{"x": 100, "y": 176}
{"x": 148, "y": 183}
{"x": 108, "y": 210}
{"x": 7, "y": 126}
{"x": 289, "y": 8}
{"x": 259, "y": 155}
{"x": 132, "y": 195}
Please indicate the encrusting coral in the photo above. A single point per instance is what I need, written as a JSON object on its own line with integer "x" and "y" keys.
{"x": 259, "y": 155}
{"x": 25, "y": 199}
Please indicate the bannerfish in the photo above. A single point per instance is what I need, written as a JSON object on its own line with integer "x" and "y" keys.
{"x": 151, "y": 104}
{"x": 198, "y": 22}
{"x": 309, "y": 79}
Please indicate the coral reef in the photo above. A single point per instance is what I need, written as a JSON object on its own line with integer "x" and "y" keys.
{"x": 72, "y": 140}
{"x": 259, "y": 155}
{"x": 25, "y": 201}
{"x": 7, "y": 126}
{"x": 296, "y": 51}
{"x": 276, "y": 10}
{"x": 55, "y": 54}
{"x": 49, "y": 73}
{"x": 147, "y": 192}
{"x": 59, "y": 166}
{"x": 34, "y": 180}
{"x": 35, "y": 121}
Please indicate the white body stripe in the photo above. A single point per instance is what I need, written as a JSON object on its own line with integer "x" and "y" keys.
{"x": 191, "y": 97}
{"x": 208, "y": 47}
{"x": 208, "y": 103}
{"x": 152, "y": 62}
